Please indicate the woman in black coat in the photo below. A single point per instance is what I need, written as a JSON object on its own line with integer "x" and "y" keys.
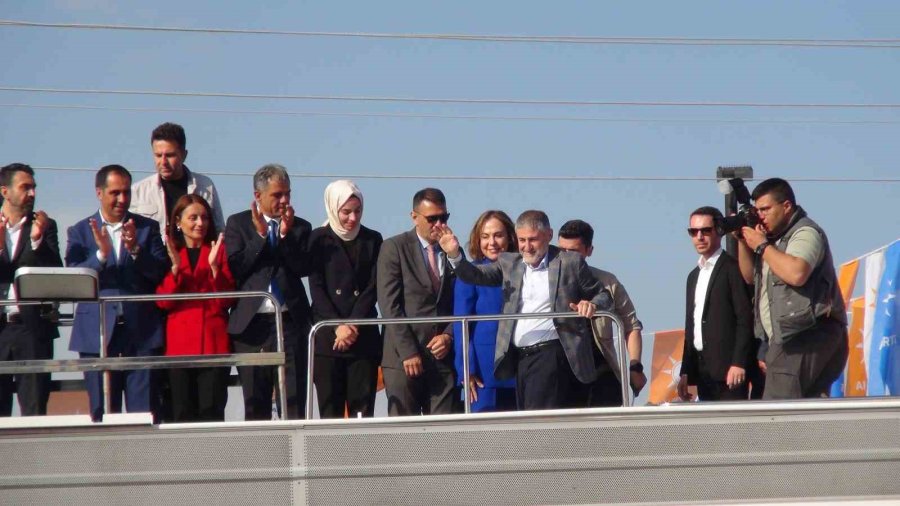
{"x": 342, "y": 284}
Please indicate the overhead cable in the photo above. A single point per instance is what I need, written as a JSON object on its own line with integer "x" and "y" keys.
{"x": 483, "y": 177}
{"x": 540, "y": 39}
{"x": 264, "y": 112}
{"x": 492, "y": 101}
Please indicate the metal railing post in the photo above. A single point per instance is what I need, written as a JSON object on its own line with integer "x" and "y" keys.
{"x": 466, "y": 376}
{"x": 282, "y": 373}
{"x": 310, "y": 358}
{"x": 105, "y": 375}
{"x": 624, "y": 366}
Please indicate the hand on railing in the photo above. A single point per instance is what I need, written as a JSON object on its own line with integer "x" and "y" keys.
{"x": 585, "y": 308}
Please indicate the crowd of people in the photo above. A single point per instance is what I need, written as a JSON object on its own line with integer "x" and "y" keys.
{"x": 769, "y": 323}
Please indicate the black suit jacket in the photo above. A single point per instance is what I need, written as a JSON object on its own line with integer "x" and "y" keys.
{"x": 404, "y": 289}
{"x": 46, "y": 255}
{"x": 727, "y": 323}
{"x": 340, "y": 289}
{"x": 253, "y": 263}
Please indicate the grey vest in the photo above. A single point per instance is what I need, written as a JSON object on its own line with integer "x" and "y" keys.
{"x": 796, "y": 309}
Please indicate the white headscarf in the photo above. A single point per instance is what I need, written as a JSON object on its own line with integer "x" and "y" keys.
{"x": 336, "y": 195}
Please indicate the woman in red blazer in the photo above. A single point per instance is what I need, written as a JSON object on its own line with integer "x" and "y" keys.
{"x": 196, "y": 327}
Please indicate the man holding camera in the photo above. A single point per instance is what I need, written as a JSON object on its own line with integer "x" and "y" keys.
{"x": 798, "y": 308}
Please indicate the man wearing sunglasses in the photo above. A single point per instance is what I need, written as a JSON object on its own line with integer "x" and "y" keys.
{"x": 414, "y": 279}
{"x": 718, "y": 328}
{"x": 799, "y": 308}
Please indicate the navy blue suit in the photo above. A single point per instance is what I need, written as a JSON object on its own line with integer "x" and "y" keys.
{"x": 469, "y": 299}
{"x": 139, "y": 331}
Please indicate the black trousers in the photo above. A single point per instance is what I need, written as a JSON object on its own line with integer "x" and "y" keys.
{"x": 430, "y": 393}
{"x": 605, "y": 391}
{"x": 19, "y": 342}
{"x": 199, "y": 394}
{"x": 259, "y": 383}
{"x": 345, "y": 381}
{"x": 710, "y": 389}
{"x": 544, "y": 379}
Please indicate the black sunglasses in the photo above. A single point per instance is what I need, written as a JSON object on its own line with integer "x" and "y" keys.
{"x": 704, "y": 230}
{"x": 437, "y": 217}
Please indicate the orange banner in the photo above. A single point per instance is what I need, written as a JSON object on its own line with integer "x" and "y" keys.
{"x": 857, "y": 379}
{"x": 668, "y": 347}
{"x": 847, "y": 280}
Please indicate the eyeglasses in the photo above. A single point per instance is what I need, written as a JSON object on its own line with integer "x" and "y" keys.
{"x": 434, "y": 218}
{"x": 703, "y": 230}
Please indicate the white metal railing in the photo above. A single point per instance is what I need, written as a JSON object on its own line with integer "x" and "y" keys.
{"x": 464, "y": 321}
{"x": 107, "y": 364}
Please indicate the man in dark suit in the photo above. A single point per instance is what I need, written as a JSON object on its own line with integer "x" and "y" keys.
{"x": 128, "y": 254}
{"x": 415, "y": 280}
{"x": 267, "y": 250}
{"x": 718, "y": 328}
{"x": 27, "y": 239}
{"x": 551, "y": 359}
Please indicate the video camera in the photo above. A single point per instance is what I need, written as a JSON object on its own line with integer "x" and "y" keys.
{"x": 746, "y": 215}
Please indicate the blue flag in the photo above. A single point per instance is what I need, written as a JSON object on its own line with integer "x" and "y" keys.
{"x": 884, "y": 366}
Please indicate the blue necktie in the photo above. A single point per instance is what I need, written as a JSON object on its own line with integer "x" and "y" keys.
{"x": 273, "y": 242}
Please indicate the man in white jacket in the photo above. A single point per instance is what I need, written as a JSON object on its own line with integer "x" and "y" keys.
{"x": 155, "y": 196}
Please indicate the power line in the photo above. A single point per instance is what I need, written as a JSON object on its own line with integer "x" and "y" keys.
{"x": 264, "y": 112}
{"x": 540, "y": 39}
{"x": 479, "y": 101}
{"x": 335, "y": 175}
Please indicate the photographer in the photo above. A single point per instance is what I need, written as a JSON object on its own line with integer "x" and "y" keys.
{"x": 798, "y": 309}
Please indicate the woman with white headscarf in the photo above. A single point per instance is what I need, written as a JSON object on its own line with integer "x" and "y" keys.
{"x": 342, "y": 284}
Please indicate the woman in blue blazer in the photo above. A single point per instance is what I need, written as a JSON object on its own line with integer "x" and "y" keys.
{"x": 492, "y": 234}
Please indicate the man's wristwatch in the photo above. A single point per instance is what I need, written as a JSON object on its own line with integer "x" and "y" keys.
{"x": 762, "y": 247}
{"x": 636, "y": 367}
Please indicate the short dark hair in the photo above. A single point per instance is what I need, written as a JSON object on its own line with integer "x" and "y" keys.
{"x": 578, "y": 229}
{"x": 475, "y": 235}
{"x": 708, "y": 211}
{"x": 104, "y": 172}
{"x": 180, "y": 205}
{"x": 170, "y": 132}
{"x": 533, "y": 219}
{"x": 432, "y": 195}
{"x": 8, "y": 172}
{"x": 778, "y": 188}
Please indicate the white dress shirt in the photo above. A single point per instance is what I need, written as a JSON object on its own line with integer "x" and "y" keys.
{"x": 13, "y": 232}
{"x": 267, "y": 305}
{"x": 114, "y": 230}
{"x": 536, "y": 298}
{"x": 706, "y": 268}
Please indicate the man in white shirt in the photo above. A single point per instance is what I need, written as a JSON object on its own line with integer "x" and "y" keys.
{"x": 27, "y": 239}
{"x": 126, "y": 251}
{"x": 551, "y": 358}
{"x": 718, "y": 330}
{"x": 155, "y": 196}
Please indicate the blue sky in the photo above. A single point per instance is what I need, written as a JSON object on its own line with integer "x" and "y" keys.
{"x": 640, "y": 224}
